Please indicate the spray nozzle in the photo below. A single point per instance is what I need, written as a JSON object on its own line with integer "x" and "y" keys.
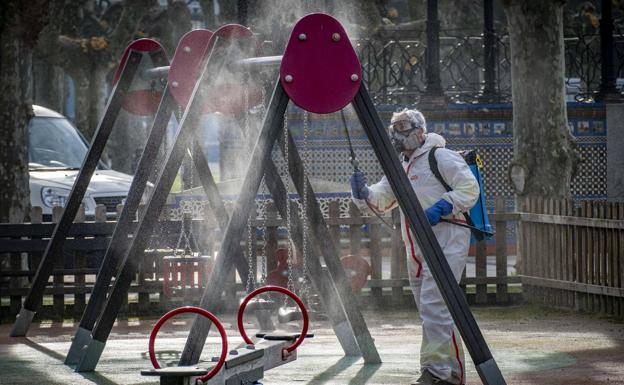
{"x": 355, "y": 164}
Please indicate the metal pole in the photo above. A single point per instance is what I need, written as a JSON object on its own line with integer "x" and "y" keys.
{"x": 490, "y": 53}
{"x": 608, "y": 90}
{"x": 434, "y": 84}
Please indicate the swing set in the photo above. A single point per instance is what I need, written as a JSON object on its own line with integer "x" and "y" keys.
{"x": 320, "y": 73}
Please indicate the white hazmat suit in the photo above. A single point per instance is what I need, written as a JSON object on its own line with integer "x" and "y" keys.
{"x": 441, "y": 350}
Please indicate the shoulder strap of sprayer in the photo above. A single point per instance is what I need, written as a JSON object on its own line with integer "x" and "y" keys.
{"x": 433, "y": 165}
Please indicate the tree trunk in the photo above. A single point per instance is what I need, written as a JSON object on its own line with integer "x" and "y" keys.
{"x": 15, "y": 111}
{"x": 48, "y": 85}
{"x": 210, "y": 19}
{"x": 98, "y": 96}
{"x": 20, "y": 24}
{"x": 544, "y": 151}
{"x": 179, "y": 17}
{"x": 82, "y": 101}
{"x": 461, "y": 17}
{"x": 228, "y": 10}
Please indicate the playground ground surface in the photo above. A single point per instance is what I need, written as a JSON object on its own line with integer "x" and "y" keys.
{"x": 531, "y": 346}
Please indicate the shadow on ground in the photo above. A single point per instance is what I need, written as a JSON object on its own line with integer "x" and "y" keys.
{"x": 532, "y": 346}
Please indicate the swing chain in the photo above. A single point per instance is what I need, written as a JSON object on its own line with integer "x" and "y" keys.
{"x": 288, "y": 224}
{"x": 187, "y": 250}
{"x": 247, "y": 107}
{"x": 304, "y": 211}
{"x": 179, "y": 115}
{"x": 251, "y": 274}
{"x": 185, "y": 218}
{"x": 263, "y": 191}
{"x": 190, "y": 167}
{"x": 263, "y": 218}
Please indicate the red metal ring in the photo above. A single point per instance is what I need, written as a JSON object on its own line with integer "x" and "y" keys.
{"x": 304, "y": 311}
{"x": 196, "y": 310}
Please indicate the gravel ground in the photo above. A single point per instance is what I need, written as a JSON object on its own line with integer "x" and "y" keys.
{"x": 531, "y": 346}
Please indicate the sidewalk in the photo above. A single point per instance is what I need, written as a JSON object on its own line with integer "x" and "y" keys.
{"x": 531, "y": 346}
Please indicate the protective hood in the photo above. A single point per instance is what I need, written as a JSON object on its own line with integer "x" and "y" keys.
{"x": 432, "y": 140}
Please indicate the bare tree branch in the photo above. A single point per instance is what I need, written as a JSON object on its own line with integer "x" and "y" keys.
{"x": 133, "y": 11}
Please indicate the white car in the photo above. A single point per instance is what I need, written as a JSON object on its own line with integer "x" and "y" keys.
{"x": 56, "y": 150}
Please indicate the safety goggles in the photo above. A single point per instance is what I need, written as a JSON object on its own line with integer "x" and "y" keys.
{"x": 402, "y": 127}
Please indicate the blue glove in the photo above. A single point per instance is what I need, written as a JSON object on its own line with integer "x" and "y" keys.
{"x": 358, "y": 185}
{"x": 438, "y": 210}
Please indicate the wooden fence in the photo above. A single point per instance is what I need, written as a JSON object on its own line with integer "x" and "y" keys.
{"x": 22, "y": 245}
{"x": 572, "y": 254}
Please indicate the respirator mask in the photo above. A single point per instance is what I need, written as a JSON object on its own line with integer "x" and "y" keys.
{"x": 403, "y": 136}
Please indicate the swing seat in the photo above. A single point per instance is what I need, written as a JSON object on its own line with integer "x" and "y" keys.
{"x": 288, "y": 314}
{"x": 279, "y": 276}
{"x": 262, "y": 309}
{"x": 256, "y": 304}
{"x": 292, "y": 313}
{"x": 357, "y": 270}
{"x": 180, "y": 273}
{"x": 282, "y": 335}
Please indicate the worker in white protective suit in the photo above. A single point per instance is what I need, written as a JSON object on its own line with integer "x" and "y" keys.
{"x": 441, "y": 353}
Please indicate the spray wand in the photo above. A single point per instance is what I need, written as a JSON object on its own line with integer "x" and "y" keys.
{"x": 355, "y": 164}
{"x": 484, "y": 232}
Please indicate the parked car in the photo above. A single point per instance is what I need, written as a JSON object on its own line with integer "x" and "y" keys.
{"x": 56, "y": 150}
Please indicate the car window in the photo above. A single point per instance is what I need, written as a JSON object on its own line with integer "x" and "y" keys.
{"x": 54, "y": 143}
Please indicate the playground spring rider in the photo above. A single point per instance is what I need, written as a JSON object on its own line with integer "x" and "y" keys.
{"x": 245, "y": 365}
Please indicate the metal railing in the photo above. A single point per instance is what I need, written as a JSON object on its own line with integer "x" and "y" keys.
{"x": 394, "y": 67}
{"x": 583, "y": 61}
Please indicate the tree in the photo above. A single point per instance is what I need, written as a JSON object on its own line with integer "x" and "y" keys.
{"x": 20, "y": 25}
{"x": 86, "y": 47}
{"x": 86, "y": 43}
{"x": 545, "y": 154}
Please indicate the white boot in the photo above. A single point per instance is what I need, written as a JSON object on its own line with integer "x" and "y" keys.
{"x": 429, "y": 379}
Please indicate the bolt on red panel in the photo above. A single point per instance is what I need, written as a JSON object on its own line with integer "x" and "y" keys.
{"x": 320, "y": 71}
{"x": 186, "y": 64}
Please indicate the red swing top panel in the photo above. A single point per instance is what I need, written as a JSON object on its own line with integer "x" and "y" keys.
{"x": 320, "y": 71}
{"x": 141, "y": 45}
{"x": 227, "y": 94}
{"x": 144, "y": 95}
{"x": 186, "y": 64}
